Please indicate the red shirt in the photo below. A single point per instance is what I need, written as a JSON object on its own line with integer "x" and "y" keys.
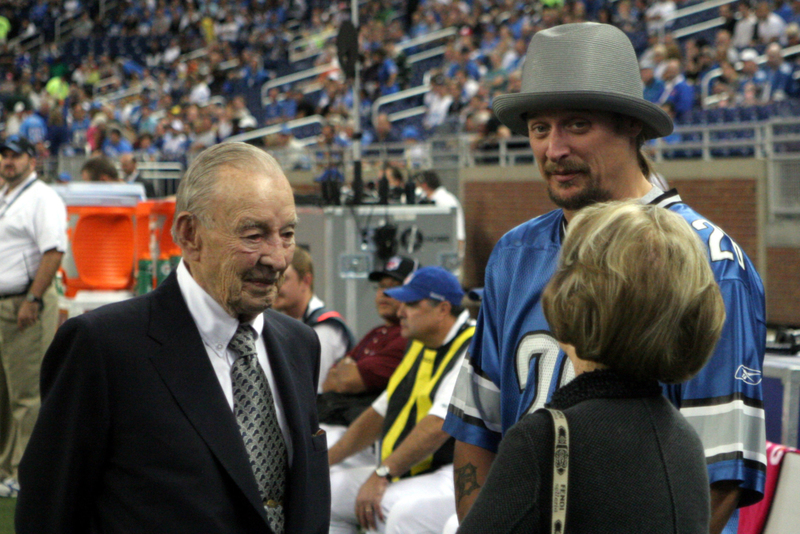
{"x": 378, "y": 354}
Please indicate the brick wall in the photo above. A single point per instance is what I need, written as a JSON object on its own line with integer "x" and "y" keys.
{"x": 783, "y": 286}
{"x": 490, "y": 210}
{"x": 493, "y": 206}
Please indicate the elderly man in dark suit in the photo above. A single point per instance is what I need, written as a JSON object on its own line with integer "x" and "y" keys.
{"x": 190, "y": 409}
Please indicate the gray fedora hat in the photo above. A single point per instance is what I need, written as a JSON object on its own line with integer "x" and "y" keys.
{"x": 581, "y": 66}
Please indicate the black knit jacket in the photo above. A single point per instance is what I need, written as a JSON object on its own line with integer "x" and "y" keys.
{"x": 636, "y": 466}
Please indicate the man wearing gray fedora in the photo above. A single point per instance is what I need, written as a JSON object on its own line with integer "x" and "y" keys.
{"x": 582, "y": 108}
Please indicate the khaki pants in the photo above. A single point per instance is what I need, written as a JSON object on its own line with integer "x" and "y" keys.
{"x": 21, "y": 355}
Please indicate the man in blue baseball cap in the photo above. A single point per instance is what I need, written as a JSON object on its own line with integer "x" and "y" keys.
{"x": 415, "y": 454}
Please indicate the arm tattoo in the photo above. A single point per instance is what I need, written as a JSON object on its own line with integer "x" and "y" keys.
{"x": 466, "y": 478}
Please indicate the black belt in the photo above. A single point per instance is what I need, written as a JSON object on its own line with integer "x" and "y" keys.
{"x": 9, "y": 295}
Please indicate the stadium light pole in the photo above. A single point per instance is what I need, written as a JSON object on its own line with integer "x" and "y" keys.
{"x": 358, "y": 183}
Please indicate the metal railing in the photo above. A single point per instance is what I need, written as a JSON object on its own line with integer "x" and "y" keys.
{"x": 300, "y": 48}
{"x": 396, "y": 97}
{"x": 438, "y": 35}
{"x": 776, "y": 141}
{"x": 65, "y": 24}
{"x": 277, "y": 128}
{"x": 293, "y": 78}
{"x": 692, "y": 10}
{"x": 26, "y": 43}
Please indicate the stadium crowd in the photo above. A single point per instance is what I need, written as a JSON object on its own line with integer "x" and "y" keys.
{"x": 166, "y": 80}
{"x": 194, "y": 71}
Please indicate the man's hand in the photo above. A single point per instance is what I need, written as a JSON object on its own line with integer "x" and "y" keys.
{"x": 368, "y": 501}
{"x": 28, "y": 314}
{"x": 344, "y": 377}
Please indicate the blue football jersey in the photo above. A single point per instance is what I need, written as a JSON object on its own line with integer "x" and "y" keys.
{"x": 515, "y": 364}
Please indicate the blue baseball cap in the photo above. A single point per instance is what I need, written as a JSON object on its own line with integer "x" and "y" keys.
{"x": 429, "y": 283}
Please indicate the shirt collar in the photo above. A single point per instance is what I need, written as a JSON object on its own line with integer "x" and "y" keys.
{"x": 313, "y": 305}
{"x": 216, "y": 327}
{"x": 463, "y": 318}
{"x": 655, "y": 196}
{"x": 18, "y": 191}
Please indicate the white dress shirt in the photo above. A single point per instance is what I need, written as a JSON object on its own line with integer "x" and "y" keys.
{"x": 443, "y": 197}
{"x": 216, "y": 329}
{"x": 33, "y": 220}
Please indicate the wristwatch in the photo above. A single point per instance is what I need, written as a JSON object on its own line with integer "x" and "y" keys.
{"x": 383, "y": 472}
{"x": 30, "y": 297}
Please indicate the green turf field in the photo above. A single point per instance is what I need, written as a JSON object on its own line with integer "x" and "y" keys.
{"x": 7, "y": 515}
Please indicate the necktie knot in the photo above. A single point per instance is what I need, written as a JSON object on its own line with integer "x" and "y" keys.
{"x": 244, "y": 341}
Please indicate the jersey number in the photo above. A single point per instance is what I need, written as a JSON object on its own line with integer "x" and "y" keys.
{"x": 715, "y": 243}
{"x": 539, "y": 350}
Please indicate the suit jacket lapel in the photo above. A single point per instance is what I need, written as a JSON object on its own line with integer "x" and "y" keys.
{"x": 276, "y": 339}
{"x": 183, "y": 364}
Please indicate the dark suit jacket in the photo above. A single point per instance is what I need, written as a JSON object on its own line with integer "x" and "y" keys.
{"x": 135, "y": 433}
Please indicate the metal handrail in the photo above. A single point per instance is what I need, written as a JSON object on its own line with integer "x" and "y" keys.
{"x": 63, "y": 20}
{"x": 325, "y": 35}
{"x": 427, "y": 54}
{"x": 691, "y": 10}
{"x": 699, "y": 27}
{"x": 401, "y": 95}
{"x": 27, "y": 42}
{"x": 118, "y": 95}
{"x": 276, "y": 128}
{"x": 291, "y": 78}
{"x": 697, "y": 8}
{"x": 444, "y": 33}
{"x": 407, "y": 113}
{"x": 194, "y": 54}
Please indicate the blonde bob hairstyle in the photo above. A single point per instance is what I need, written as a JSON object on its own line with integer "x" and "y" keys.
{"x": 634, "y": 291}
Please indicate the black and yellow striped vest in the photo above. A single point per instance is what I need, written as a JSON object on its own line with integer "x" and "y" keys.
{"x": 411, "y": 390}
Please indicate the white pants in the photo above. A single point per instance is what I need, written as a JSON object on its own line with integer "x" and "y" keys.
{"x": 360, "y": 459}
{"x": 451, "y": 526}
{"x": 421, "y": 504}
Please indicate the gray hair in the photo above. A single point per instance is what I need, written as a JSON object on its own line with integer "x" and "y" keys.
{"x": 197, "y": 189}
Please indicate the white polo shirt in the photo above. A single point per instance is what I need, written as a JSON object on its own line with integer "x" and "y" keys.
{"x": 443, "y": 197}
{"x": 33, "y": 220}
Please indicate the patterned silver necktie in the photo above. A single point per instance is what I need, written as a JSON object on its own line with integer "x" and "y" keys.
{"x": 254, "y": 408}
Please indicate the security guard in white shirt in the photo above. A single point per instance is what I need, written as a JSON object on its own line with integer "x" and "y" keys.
{"x": 33, "y": 222}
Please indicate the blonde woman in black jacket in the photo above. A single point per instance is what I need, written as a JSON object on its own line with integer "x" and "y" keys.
{"x": 633, "y": 303}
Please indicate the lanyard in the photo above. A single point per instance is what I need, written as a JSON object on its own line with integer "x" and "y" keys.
{"x": 24, "y": 188}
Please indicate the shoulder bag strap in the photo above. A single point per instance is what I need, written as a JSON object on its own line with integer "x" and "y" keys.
{"x": 560, "y": 471}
